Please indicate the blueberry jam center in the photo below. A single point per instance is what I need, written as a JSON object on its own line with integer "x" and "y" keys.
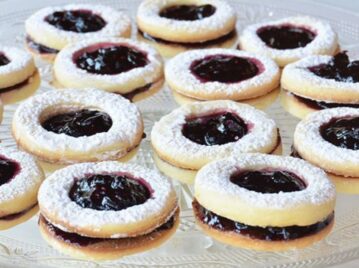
{"x": 188, "y": 12}
{"x": 79, "y": 21}
{"x": 111, "y": 60}
{"x": 342, "y": 132}
{"x": 262, "y": 233}
{"x": 8, "y": 170}
{"x": 79, "y": 123}
{"x": 3, "y": 60}
{"x": 215, "y": 129}
{"x": 109, "y": 192}
{"x": 340, "y": 68}
{"x": 224, "y": 69}
{"x": 268, "y": 181}
{"x": 285, "y": 36}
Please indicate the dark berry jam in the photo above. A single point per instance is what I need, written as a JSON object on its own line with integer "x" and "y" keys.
{"x": 109, "y": 192}
{"x": 188, "y": 12}
{"x": 110, "y": 59}
{"x": 16, "y": 86}
{"x": 255, "y": 232}
{"x": 14, "y": 216}
{"x": 285, "y": 36}
{"x": 8, "y": 169}
{"x": 132, "y": 94}
{"x": 295, "y": 153}
{"x": 342, "y": 132}
{"x": 268, "y": 182}
{"x": 215, "y": 129}
{"x": 205, "y": 44}
{"x": 3, "y": 60}
{"x": 79, "y": 21}
{"x": 39, "y": 48}
{"x": 320, "y": 105}
{"x": 340, "y": 68}
{"x": 224, "y": 68}
{"x": 84, "y": 241}
{"x": 79, "y": 123}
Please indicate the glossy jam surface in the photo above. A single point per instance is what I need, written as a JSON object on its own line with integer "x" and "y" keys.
{"x": 79, "y": 21}
{"x": 320, "y": 105}
{"x": 79, "y": 123}
{"x": 39, "y": 48}
{"x": 111, "y": 60}
{"x": 83, "y": 241}
{"x": 109, "y": 192}
{"x": 342, "y": 132}
{"x": 3, "y": 60}
{"x": 275, "y": 181}
{"x": 224, "y": 69}
{"x": 285, "y": 36}
{"x": 340, "y": 68}
{"x": 255, "y": 232}
{"x": 215, "y": 129}
{"x": 8, "y": 169}
{"x": 188, "y": 12}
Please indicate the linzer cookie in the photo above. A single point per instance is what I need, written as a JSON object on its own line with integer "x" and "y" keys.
{"x": 264, "y": 202}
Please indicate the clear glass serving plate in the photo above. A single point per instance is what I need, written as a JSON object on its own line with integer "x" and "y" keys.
{"x": 22, "y": 246}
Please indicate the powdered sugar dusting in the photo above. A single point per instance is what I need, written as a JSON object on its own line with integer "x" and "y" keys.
{"x": 325, "y": 41}
{"x": 54, "y": 196}
{"x": 178, "y": 72}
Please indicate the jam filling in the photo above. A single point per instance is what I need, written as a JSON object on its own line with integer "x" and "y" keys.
{"x": 215, "y": 129}
{"x": 295, "y": 153}
{"x": 340, "y": 68}
{"x": 132, "y": 94}
{"x": 8, "y": 169}
{"x": 109, "y": 192}
{"x": 84, "y": 241}
{"x": 268, "y": 181}
{"x": 188, "y": 12}
{"x": 255, "y": 232}
{"x": 342, "y": 132}
{"x": 79, "y": 21}
{"x": 39, "y": 48}
{"x": 79, "y": 123}
{"x": 111, "y": 60}
{"x": 224, "y": 69}
{"x": 285, "y": 36}
{"x": 16, "y": 86}
{"x": 320, "y": 105}
{"x": 3, "y": 60}
{"x": 17, "y": 215}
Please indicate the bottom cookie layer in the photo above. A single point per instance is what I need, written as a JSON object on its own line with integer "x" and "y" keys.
{"x": 262, "y": 102}
{"x": 253, "y": 237}
{"x": 105, "y": 249}
{"x": 11, "y": 220}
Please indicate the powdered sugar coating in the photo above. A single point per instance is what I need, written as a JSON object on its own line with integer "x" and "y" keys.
{"x": 216, "y": 177}
{"x": 117, "y": 24}
{"x": 168, "y": 140}
{"x": 127, "y": 123}
{"x": 68, "y": 74}
{"x": 307, "y": 137}
{"x": 20, "y": 67}
{"x": 326, "y": 89}
{"x": 325, "y": 41}
{"x": 54, "y": 197}
{"x": 178, "y": 71}
{"x": 28, "y": 179}
{"x": 148, "y": 13}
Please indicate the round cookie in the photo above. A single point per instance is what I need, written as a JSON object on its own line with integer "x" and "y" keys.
{"x": 198, "y": 133}
{"x": 329, "y": 139}
{"x": 19, "y": 76}
{"x": 264, "y": 202}
{"x": 52, "y": 28}
{"x": 290, "y": 39}
{"x": 212, "y": 74}
{"x": 72, "y": 126}
{"x": 320, "y": 82}
{"x": 21, "y": 177}
{"x": 126, "y": 67}
{"x": 106, "y": 210}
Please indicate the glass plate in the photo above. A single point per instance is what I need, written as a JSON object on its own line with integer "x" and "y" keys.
{"x": 22, "y": 245}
